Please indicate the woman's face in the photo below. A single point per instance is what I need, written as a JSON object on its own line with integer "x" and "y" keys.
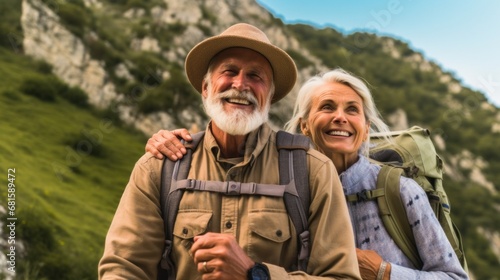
{"x": 336, "y": 122}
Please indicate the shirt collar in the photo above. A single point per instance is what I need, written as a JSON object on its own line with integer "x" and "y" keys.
{"x": 255, "y": 143}
{"x": 355, "y": 172}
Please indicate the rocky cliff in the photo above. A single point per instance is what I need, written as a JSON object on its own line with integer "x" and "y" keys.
{"x": 46, "y": 38}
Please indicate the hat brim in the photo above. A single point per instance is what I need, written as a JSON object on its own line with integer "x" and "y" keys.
{"x": 284, "y": 69}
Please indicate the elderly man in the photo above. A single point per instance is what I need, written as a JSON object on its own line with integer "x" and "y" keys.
{"x": 239, "y": 74}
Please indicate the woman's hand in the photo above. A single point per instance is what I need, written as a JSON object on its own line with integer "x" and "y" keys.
{"x": 167, "y": 143}
{"x": 371, "y": 265}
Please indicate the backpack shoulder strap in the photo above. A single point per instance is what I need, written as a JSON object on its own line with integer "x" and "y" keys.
{"x": 393, "y": 212}
{"x": 293, "y": 169}
{"x": 170, "y": 198}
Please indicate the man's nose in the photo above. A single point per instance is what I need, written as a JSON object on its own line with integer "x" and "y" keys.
{"x": 240, "y": 82}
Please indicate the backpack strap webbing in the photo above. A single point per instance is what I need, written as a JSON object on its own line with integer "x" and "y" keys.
{"x": 171, "y": 172}
{"x": 393, "y": 213}
{"x": 293, "y": 170}
{"x": 365, "y": 195}
{"x": 293, "y": 173}
{"x": 235, "y": 188}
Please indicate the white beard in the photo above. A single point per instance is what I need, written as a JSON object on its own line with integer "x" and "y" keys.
{"x": 237, "y": 122}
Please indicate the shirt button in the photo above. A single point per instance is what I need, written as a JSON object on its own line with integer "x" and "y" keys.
{"x": 185, "y": 231}
{"x": 229, "y": 225}
{"x": 279, "y": 233}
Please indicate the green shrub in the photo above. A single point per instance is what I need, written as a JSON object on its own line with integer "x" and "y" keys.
{"x": 39, "y": 87}
{"x": 38, "y": 237}
{"x": 77, "y": 96}
{"x": 111, "y": 115}
{"x": 206, "y": 30}
{"x": 74, "y": 16}
{"x": 10, "y": 27}
{"x": 171, "y": 95}
{"x": 74, "y": 95}
{"x": 141, "y": 29}
{"x": 177, "y": 28}
{"x": 300, "y": 60}
{"x": 97, "y": 49}
{"x": 43, "y": 67}
{"x": 85, "y": 144}
{"x": 100, "y": 51}
{"x": 11, "y": 95}
{"x": 207, "y": 14}
{"x": 46, "y": 88}
{"x": 137, "y": 4}
{"x": 119, "y": 2}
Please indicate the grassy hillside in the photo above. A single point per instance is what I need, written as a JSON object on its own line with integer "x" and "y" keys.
{"x": 71, "y": 165}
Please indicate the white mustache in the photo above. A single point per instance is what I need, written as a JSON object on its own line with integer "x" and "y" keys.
{"x": 234, "y": 93}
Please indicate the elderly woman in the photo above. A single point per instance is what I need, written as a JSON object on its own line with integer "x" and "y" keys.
{"x": 336, "y": 111}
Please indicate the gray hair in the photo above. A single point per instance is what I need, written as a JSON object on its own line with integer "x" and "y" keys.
{"x": 306, "y": 94}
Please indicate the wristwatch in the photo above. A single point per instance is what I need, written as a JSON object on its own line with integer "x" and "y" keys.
{"x": 258, "y": 272}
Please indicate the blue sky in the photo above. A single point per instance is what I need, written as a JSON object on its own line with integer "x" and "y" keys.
{"x": 461, "y": 36}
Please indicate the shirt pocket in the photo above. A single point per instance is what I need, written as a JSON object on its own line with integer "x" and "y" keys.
{"x": 189, "y": 224}
{"x": 269, "y": 232}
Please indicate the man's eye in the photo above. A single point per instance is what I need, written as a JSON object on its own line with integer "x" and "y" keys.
{"x": 229, "y": 72}
{"x": 255, "y": 76}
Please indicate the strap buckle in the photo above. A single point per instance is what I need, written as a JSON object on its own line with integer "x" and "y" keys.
{"x": 362, "y": 195}
{"x": 233, "y": 188}
{"x": 191, "y": 184}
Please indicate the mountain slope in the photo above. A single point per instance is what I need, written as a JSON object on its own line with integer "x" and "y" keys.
{"x": 71, "y": 165}
{"x": 73, "y": 153}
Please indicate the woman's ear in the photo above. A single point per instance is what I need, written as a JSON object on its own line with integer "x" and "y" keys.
{"x": 367, "y": 131}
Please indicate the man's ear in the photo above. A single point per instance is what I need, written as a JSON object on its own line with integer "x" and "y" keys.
{"x": 204, "y": 87}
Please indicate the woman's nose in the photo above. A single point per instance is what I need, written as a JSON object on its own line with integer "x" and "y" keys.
{"x": 339, "y": 116}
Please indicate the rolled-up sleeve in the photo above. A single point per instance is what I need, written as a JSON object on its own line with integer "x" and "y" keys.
{"x": 135, "y": 239}
{"x": 436, "y": 252}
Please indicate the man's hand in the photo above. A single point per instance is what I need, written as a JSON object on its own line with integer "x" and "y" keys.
{"x": 218, "y": 256}
{"x": 167, "y": 143}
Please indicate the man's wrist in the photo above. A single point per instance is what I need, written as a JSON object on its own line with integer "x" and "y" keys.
{"x": 258, "y": 272}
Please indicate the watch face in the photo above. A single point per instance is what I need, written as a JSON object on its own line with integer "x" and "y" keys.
{"x": 259, "y": 273}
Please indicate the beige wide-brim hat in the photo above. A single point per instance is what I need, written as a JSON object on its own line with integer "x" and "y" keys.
{"x": 245, "y": 36}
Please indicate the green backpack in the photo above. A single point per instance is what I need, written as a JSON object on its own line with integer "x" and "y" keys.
{"x": 412, "y": 154}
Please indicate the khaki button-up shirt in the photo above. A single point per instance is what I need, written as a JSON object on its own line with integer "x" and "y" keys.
{"x": 260, "y": 224}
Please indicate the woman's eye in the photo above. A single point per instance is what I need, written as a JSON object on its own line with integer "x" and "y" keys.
{"x": 352, "y": 109}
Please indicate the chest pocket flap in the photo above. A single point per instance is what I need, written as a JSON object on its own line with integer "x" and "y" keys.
{"x": 270, "y": 225}
{"x": 189, "y": 224}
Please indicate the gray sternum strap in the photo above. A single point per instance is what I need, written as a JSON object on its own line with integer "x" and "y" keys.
{"x": 235, "y": 188}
